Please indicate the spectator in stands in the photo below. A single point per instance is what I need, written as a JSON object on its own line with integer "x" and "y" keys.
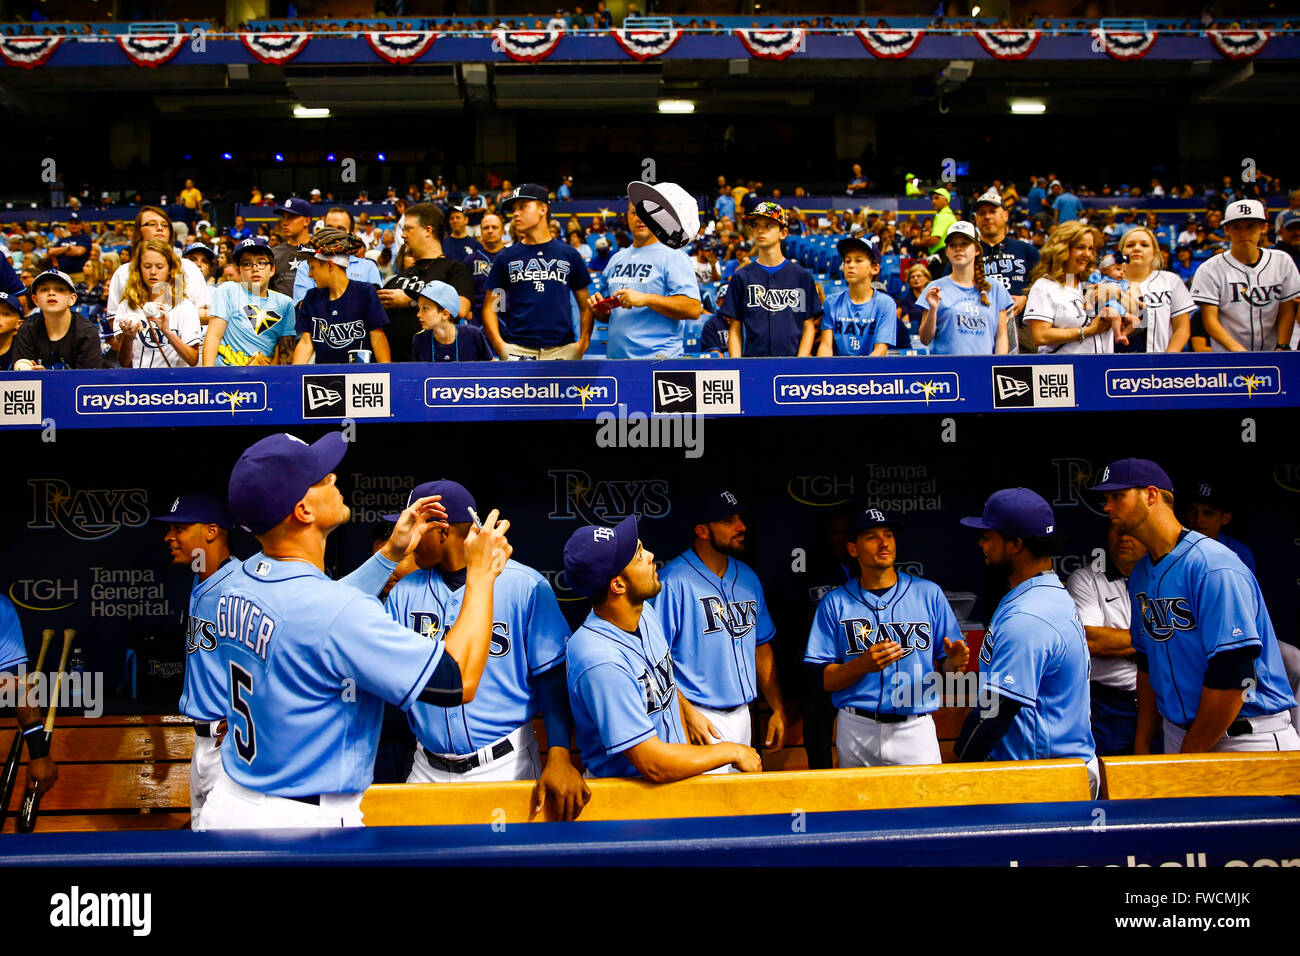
{"x": 654, "y": 291}
{"x": 250, "y": 323}
{"x": 858, "y": 320}
{"x": 706, "y": 261}
{"x": 1066, "y": 206}
{"x": 943, "y": 219}
{"x": 1293, "y": 206}
{"x": 772, "y": 305}
{"x": 505, "y": 192}
{"x": 474, "y": 206}
{"x": 151, "y": 222}
{"x": 294, "y": 230}
{"x": 203, "y": 257}
{"x": 1187, "y": 237}
{"x": 370, "y": 236}
{"x": 724, "y": 207}
{"x": 360, "y": 269}
{"x": 857, "y": 182}
{"x": 554, "y": 226}
{"x": 1055, "y": 312}
{"x": 604, "y": 249}
{"x": 1214, "y": 230}
{"x": 156, "y": 325}
{"x": 1125, "y": 222}
{"x": 565, "y": 192}
{"x": 1007, "y": 260}
{"x": 192, "y": 200}
{"x": 423, "y": 234}
{"x": 1183, "y": 266}
{"x": 1289, "y": 235}
{"x": 72, "y": 249}
{"x": 240, "y": 230}
{"x": 11, "y": 319}
{"x": 441, "y": 339}
{"x": 1040, "y": 210}
{"x": 1159, "y": 300}
{"x": 338, "y": 316}
{"x": 910, "y": 308}
{"x": 459, "y": 245}
{"x": 601, "y": 17}
{"x": 965, "y": 314}
{"x": 55, "y": 337}
{"x": 1157, "y": 191}
{"x": 492, "y": 234}
{"x": 527, "y": 312}
{"x": 584, "y": 250}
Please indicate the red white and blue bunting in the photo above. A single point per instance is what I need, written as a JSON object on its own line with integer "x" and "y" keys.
{"x": 890, "y": 44}
{"x": 1238, "y": 44}
{"x": 642, "y": 45}
{"x": 401, "y": 48}
{"x": 151, "y": 50}
{"x": 1008, "y": 44}
{"x": 27, "y": 53}
{"x": 771, "y": 44}
{"x": 526, "y": 46}
{"x": 1124, "y": 44}
{"x": 275, "y": 48}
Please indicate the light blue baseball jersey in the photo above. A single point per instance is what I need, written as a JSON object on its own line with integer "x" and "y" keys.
{"x": 360, "y": 269}
{"x": 964, "y": 325}
{"x": 857, "y": 328}
{"x": 310, "y": 663}
{"x": 13, "y": 649}
{"x": 913, "y": 614}
{"x": 528, "y": 637}
{"x": 622, "y": 691}
{"x": 1197, "y": 601}
{"x": 643, "y": 333}
{"x": 254, "y": 326}
{"x": 204, "y": 696}
{"x": 713, "y": 626}
{"x": 1035, "y": 652}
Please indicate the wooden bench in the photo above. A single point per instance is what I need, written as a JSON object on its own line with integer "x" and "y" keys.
{"x": 1202, "y": 775}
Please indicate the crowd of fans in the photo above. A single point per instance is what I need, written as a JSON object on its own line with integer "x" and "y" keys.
{"x": 436, "y": 273}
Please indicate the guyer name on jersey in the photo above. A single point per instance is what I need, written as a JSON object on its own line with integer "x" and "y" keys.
{"x": 242, "y": 621}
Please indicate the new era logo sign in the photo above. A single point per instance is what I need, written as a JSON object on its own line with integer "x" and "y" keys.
{"x": 20, "y": 403}
{"x": 1033, "y": 386}
{"x": 318, "y": 397}
{"x": 670, "y": 393}
{"x": 350, "y": 395}
{"x": 712, "y": 392}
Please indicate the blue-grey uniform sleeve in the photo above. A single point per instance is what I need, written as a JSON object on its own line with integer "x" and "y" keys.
{"x": 13, "y": 650}
{"x": 945, "y": 625}
{"x": 384, "y": 658}
{"x": 371, "y": 577}
{"x": 1016, "y": 669}
{"x": 616, "y": 702}
{"x": 547, "y": 631}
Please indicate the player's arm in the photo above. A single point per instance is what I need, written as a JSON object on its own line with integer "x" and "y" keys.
{"x": 212, "y": 336}
{"x": 1180, "y": 332}
{"x": 931, "y": 297}
{"x": 486, "y": 553}
{"x": 490, "y": 326}
{"x": 877, "y": 657}
{"x": 770, "y": 687}
{"x": 304, "y": 350}
{"x": 1215, "y": 330}
{"x": 560, "y": 780}
{"x": 1042, "y": 332}
{"x": 1229, "y": 677}
{"x": 879, "y": 350}
{"x": 586, "y": 320}
{"x": 677, "y": 307}
{"x": 1109, "y": 641}
{"x": 1148, "y": 717}
{"x": 379, "y": 346}
{"x": 660, "y": 762}
{"x": 41, "y": 768}
{"x": 807, "y": 337}
{"x": 985, "y": 727}
{"x": 733, "y": 337}
{"x": 826, "y": 344}
{"x": 1000, "y": 343}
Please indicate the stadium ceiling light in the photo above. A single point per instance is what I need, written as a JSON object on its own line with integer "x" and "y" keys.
{"x": 975, "y": 10}
{"x": 1028, "y": 106}
{"x": 676, "y": 106}
{"x": 311, "y": 112}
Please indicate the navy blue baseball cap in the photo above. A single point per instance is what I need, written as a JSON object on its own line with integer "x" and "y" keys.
{"x": 1132, "y": 473}
{"x": 200, "y": 247}
{"x": 525, "y": 191}
{"x": 456, "y": 499}
{"x": 13, "y": 300}
{"x": 274, "y": 474}
{"x": 295, "y": 207}
{"x": 593, "y": 555}
{"x": 1211, "y": 492}
{"x": 854, "y": 244}
{"x": 715, "y": 504}
{"x": 197, "y": 508}
{"x": 865, "y": 519}
{"x": 1015, "y": 513}
{"x": 251, "y": 244}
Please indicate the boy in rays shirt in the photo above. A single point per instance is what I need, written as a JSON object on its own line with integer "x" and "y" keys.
{"x": 441, "y": 339}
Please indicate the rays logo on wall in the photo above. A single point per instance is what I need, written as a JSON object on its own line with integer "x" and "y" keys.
{"x": 641, "y": 45}
{"x": 1238, "y": 44}
{"x": 1125, "y": 44}
{"x": 890, "y": 44}
{"x": 275, "y": 48}
{"x": 527, "y": 46}
{"x": 28, "y": 52}
{"x": 151, "y": 50}
{"x": 771, "y": 44}
{"x": 401, "y": 47}
{"x": 1008, "y": 44}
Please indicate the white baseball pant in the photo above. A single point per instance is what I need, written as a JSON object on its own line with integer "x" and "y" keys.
{"x": 232, "y": 806}
{"x": 1275, "y": 732}
{"x": 522, "y": 763}
{"x": 205, "y": 771}
{"x": 863, "y": 742}
{"x": 735, "y": 726}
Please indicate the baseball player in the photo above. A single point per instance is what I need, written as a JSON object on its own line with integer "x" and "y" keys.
{"x": 1208, "y": 660}
{"x": 41, "y": 770}
{"x": 771, "y": 305}
{"x": 250, "y": 323}
{"x": 627, "y": 712}
{"x": 491, "y": 738}
{"x": 873, "y": 643}
{"x": 1209, "y": 512}
{"x": 1101, "y": 598}
{"x": 310, "y": 661}
{"x": 1247, "y": 294}
{"x": 197, "y": 537}
{"x": 858, "y": 320}
{"x": 1034, "y": 657}
{"x": 719, "y": 630}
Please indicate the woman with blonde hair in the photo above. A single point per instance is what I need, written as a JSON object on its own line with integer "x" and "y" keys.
{"x": 158, "y": 327}
{"x": 1159, "y": 296}
{"x": 1060, "y": 317}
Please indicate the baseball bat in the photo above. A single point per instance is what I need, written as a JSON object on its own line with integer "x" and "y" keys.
{"x": 16, "y": 749}
{"x": 32, "y": 798}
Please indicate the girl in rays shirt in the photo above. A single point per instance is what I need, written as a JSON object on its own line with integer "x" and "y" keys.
{"x": 965, "y": 314}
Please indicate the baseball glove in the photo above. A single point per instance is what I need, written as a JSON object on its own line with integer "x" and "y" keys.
{"x": 336, "y": 242}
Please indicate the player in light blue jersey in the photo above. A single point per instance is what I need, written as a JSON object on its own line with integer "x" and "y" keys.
{"x": 1208, "y": 659}
{"x": 249, "y": 323}
{"x": 310, "y": 661}
{"x": 491, "y": 738}
{"x": 965, "y": 313}
{"x": 877, "y": 643}
{"x": 858, "y": 320}
{"x": 718, "y": 626}
{"x": 41, "y": 770}
{"x": 1034, "y": 663}
{"x": 655, "y": 291}
{"x": 627, "y": 711}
